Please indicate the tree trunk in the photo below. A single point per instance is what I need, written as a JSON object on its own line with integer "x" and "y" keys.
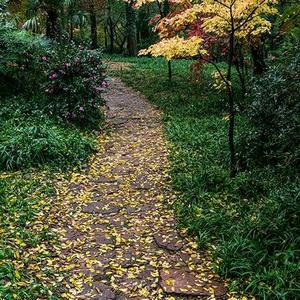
{"x": 131, "y": 29}
{"x": 71, "y": 28}
{"x": 170, "y": 69}
{"x": 166, "y": 8}
{"x": 93, "y": 19}
{"x": 258, "y": 57}
{"x": 110, "y": 30}
{"x": 233, "y": 166}
{"x": 241, "y": 74}
{"x": 52, "y": 24}
{"x": 105, "y": 37}
{"x": 111, "y": 36}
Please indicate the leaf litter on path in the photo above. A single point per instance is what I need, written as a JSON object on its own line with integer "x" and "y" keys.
{"x": 118, "y": 236}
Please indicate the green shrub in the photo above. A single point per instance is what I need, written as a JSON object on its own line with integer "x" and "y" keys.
{"x": 65, "y": 79}
{"x": 21, "y": 64}
{"x": 35, "y": 142}
{"x": 274, "y": 117}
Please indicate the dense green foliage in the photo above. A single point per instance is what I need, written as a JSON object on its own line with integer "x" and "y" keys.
{"x": 274, "y": 115}
{"x": 75, "y": 83}
{"x": 251, "y": 220}
{"x": 64, "y": 79}
{"x": 20, "y": 62}
{"x": 35, "y": 141}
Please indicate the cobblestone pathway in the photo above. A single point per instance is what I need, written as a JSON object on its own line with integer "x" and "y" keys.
{"x": 118, "y": 234}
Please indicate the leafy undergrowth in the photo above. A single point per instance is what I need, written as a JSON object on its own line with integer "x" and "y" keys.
{"x": 39, "y": 147}
{"x": 251, "y": 221}
{"x": 31, "y": 138}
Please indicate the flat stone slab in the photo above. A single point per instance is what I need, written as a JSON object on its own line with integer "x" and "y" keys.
{"x": 182, "y": 282}
{"x": 186, "y": 283}
{"x": 105, "y": 292}
{"x": 101, "y": 207}
{"x": 170, "y": 241}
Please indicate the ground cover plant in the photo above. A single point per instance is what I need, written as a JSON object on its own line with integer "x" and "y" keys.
{"x": 251, "y": 221}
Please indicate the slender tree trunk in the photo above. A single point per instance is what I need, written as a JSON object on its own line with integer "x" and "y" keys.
{"x": 71, "y": 28}
{"x": 105, "y": 37}
{"x": 131, "y": 29}
{"x": 166, "y": 8}
{"x": 165, "y": 11}
{"x": 170, "y": 69}
{"x": 111, "y": 36}
{"x": 258, "y": 58}
{"x": 94, "y": 34}
{"x": 52, "y": 24}
{"x": 241, "y": 74}
{"x": 233, "y": 166}
{"x": 110, "y": 30}
{"x": 241, "y": 69}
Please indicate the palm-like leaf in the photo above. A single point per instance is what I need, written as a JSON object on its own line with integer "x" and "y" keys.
{"x": 33, "y": 24}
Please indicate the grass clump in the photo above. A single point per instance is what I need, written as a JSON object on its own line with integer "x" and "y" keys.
{"x": 30, "y": 138}
{"x": 32, "y": 144}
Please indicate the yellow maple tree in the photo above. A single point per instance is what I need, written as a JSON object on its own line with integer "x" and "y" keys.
{"x": 244, "y": 18}
{"x": 233, "y": 22}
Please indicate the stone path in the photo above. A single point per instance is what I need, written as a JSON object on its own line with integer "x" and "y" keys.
{"x": 118, "y": 234}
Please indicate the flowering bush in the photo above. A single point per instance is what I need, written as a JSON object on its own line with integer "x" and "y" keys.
{"x": 66, "y": 79}
{"x": 75, "y": 81}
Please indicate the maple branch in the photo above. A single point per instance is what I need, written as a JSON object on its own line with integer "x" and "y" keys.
{"x": 223, "y": 18}
{"x": 250, "y": 15}
{"x": 218, "y": 70}
{"x": 223, "y": 4}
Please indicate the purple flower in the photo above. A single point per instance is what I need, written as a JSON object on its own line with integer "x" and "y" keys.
{"x": 67, "y": 65}
{"x": 104, "y": 84}
{"x": 44, "y": 58}
{"x": 81, "y": 109}
{"x": 54, "y": 76}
